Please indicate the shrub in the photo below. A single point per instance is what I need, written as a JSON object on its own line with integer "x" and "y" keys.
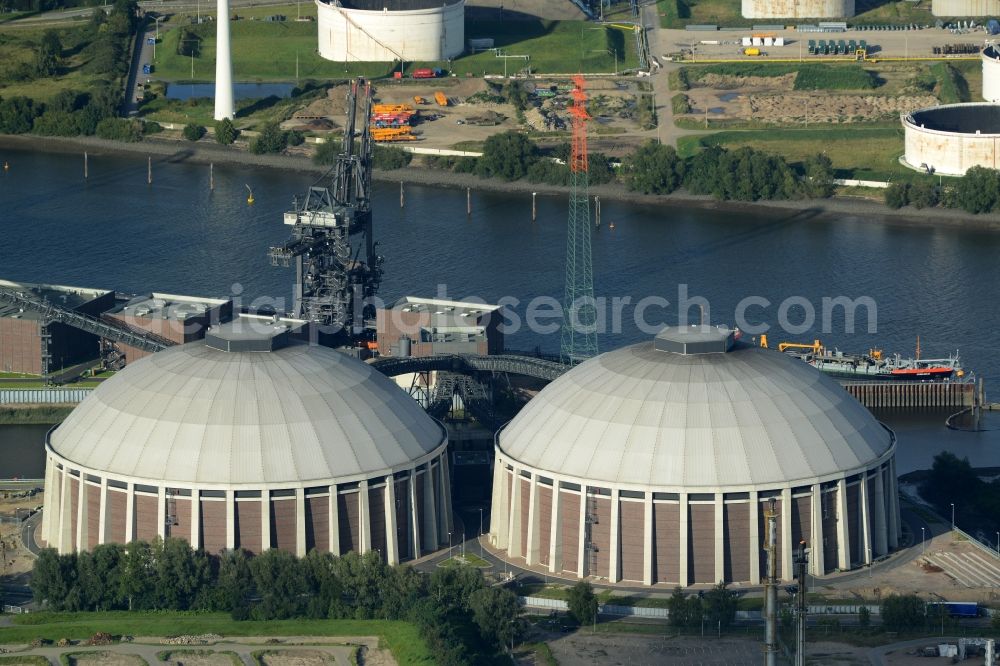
{"x": 270, "y": 140}
{"x": 582, "y": 602}
{"x": 387, "y": 158}
{"x": 295, "y": 138}
{"x": 225, "y": 132}
{"x": 897, "y": 195}
{"x": 119, "y": 129}
{"x": 653, "y": 169}
{"x": 193, "y": 131}
{"x": 507, "y": 155}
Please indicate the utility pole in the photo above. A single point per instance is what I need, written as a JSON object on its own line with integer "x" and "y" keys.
{"x": 771, "y": 587}
{"x": 801, "y": 562}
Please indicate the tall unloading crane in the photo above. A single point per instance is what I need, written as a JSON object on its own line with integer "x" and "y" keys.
{"x": 336, "y": 268}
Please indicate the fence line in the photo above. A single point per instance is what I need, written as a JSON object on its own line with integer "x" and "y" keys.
{"x": 46, "y": 396}
{"x": 989, "y": 550}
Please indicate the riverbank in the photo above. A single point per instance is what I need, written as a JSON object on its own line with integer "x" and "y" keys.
{"x": 34, "y": 414}
{"x": 167, "y": 151}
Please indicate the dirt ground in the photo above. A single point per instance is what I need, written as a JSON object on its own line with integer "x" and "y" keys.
{"x": 190, "y": 658}
{"x": 639, "y": 650}
{"x": 107, "y": 659}
{"x": 296, "y": 658}
{"x": 774, "y": 99}
{"x": 14, "y": 558}
{"x": 465, "y": 120}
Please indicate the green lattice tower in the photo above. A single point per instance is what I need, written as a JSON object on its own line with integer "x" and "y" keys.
{"x": 579, "y": 333}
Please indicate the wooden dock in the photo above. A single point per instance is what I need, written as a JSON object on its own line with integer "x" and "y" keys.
{"x": 928, "y": 396}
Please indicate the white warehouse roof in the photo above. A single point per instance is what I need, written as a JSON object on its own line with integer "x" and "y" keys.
{"x": 651, "y": 418}
{"x": 194, "y": 414}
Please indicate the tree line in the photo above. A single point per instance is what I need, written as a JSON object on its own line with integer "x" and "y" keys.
{"x": 464, "y": 620}
{"x": 741, "y": 174}
{"x": 978, "y": 191}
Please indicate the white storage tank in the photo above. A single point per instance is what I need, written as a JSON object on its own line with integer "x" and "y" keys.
{"x": 991, "y": 74}
{"x": 798, "y": 9}
{"x": 950, "y": 139}
{"x": 389, "y": 30}
{"x": 955, "y": 8}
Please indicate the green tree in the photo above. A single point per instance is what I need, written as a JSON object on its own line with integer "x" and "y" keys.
{"x": 181, "y": 573}
{"x": 951, "y": 480}
{"x": 653, "y": 169}
{"x": 48, "y": 54}
{"x": 923, "y": 194}
{"x": 57, "y": 123}
{"x": 233, "y": 583}
{"x": 387, "y": 158}
{"x": 496, "y": 612}
{"x": 270, "y": 140}
{"x": 897, "y": 195}
{"x": 50, "y": 579}
{"x": 119, "y": 129}
{"x": 17, "y": 115}
{"x": 281, "y": 583}
{"x": 695, "y": 611}
{"x": 582, "y": 602}
{"x": 225, "y": 132}
{"x": 677, "y": 608}
{"x": 324, "y": 586}
{"x": 138, "y": 576}
{"x": 864, "y": 617}
{"x": 507, "y": 155}
{"x": 978, "y": 191}
{"x": 296, "y": 138}
{"x": 902, "y": 612}
{"x": 818, "y": 182}
{"x": 720, "y": 606}
{"x": 193, "y": 131}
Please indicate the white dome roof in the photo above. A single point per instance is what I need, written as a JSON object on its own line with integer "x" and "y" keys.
{"x": 742, "y": 418}
{"x": 194, "y": 414}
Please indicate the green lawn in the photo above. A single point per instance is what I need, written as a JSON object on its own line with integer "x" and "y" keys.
{"x": 17, "y": 45}
{"x": 267, "y": 51}
{"x": 401, "y": 638}
{"x": 856, "y": 152}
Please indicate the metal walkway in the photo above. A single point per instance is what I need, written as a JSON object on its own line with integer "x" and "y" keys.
{"x": 518, "y": 364}
{"x": 100, "y": 327}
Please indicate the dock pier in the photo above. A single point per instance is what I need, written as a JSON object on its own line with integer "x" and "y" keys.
{"x": 916, "y": 395}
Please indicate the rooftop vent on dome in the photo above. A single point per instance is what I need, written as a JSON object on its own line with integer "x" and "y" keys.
{"x": 695, "y": 339}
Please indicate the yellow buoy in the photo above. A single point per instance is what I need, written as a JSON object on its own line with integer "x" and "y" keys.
{"x": 249, "y": 198}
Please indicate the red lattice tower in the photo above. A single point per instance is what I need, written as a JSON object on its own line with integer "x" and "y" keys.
{"x": 578, "y": 154}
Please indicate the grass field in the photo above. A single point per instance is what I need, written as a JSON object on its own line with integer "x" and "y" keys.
{"x": 857, "y": 152}
{"x": 17, "y": 45}
{"x": 847, "y": 76}
{"x": 10, "y": 414}
{"x": 401, "y": 638}
{"x": 267, "y": 51}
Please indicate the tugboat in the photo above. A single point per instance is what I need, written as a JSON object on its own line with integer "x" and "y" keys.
{"x": 874, "y": 364}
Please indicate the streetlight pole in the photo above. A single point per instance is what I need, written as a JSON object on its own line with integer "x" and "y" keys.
{"x": 998, "y": 544}
{"x": 449, "y": 545}
{"x": 871, "y": 563}
{"x": 923, "y": 543}
{"x": 953, "y": 516}
{"x": 481, "y": 533}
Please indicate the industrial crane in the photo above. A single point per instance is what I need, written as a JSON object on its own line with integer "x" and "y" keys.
{"x": 336, "y": 268}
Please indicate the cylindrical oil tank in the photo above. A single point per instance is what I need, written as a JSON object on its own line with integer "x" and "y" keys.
{"x": 798, "y": 9}
{"x": 965, "y": 7}
{"x": 949, "y": 139}
{"x": 405, "y": 345}
{"x": 389, "y": 30}
{"x": 991, "y": 74}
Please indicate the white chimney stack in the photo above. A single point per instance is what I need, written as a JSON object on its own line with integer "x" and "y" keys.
{"x": 224, "y": 107}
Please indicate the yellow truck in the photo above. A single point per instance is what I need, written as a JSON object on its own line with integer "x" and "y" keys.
{"x": 751, "y": 51}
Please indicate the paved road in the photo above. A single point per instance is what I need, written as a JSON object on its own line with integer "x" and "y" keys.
{"x": 143, "y": 54}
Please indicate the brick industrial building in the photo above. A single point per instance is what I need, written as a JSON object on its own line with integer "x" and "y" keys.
{"x": 250, "y": 439}
{"x": 29, "y": 345}
{"x": 655, "y": 463}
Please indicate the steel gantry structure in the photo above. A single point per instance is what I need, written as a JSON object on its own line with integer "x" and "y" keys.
{"x": 332, "y": 244}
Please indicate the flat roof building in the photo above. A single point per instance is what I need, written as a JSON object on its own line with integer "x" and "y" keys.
{"x": 28, "y": 345}
{"x": 416, "y": 326}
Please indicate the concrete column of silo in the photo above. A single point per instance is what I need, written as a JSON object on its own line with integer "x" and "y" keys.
{"x": 102, "y": 516}
{"x": 720, "y": 537}
{"x": 48, "y": 490}
{"x": 755, "y": 548}
{"x": 843, "y": 527}
{"x": 446, "y": 492}
{"x": 265, "y": 520}
{"x": 880, "y": 540}
{"x": 300, "y": 522}
{"x": 893, "y": 504}
{"x": 81, "y": 513}
{"x": 786, "y": 534}
{"x": 129, "y": 512}
{"x": 161, "y": 512}
{"x": 231, "y": 519}
{"x": 333, "y": 520}
{"x": 364, "y": 517}
{"x": 414, "y": 515}
{"x": 817, "y": 562}
{"x": 614, "y": 561}
{"x": 581, "y": 543}
{"x": 65, "y": 526}
{"x": 555, "y": 529}
{"x": 389, "y": 501}
{"x": 514, "y": 539}
{"x": 431, "y": 537}
{"x": 866, "y": 520}
{"x": 195, "y": 519}
{"x": 500, "y": 507}
{"x": 682, "y": 522}
{"x": 647, "y": 539}
{"x": 534, "y": 533}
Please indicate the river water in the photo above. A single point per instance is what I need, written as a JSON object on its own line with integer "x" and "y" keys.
{"x": 115, "y": 231}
